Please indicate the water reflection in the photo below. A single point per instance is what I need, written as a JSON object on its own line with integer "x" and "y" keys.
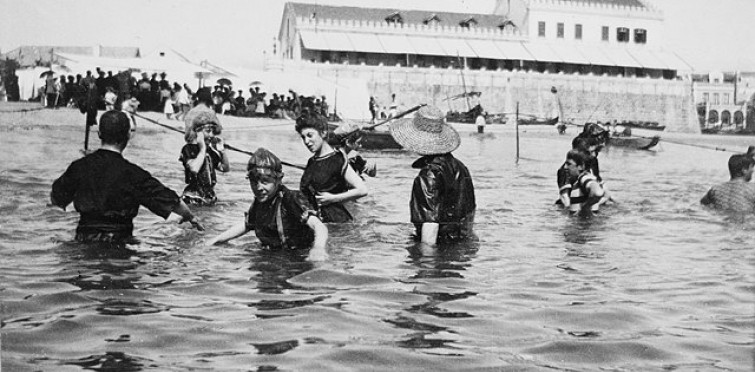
{"x": 273, "y": 268}
{"x": 442, "y": 263}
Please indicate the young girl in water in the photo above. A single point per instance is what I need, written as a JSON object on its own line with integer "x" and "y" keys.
{"x": 203, "y": 153}
{"x": 328, "y": 180}
{"x": 281, "y": 218}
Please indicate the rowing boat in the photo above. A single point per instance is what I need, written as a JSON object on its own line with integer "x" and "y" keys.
{"x": 633, "y": 142}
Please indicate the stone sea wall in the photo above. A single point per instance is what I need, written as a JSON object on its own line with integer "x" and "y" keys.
{"x": 583, "y": 97}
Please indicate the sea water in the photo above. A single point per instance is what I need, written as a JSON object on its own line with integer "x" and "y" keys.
{"x": 654, "y": 282}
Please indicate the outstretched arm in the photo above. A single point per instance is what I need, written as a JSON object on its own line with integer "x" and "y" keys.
{"x": 317, "y": 252}
{"x": 232, "y": 233}
{"x": 181, "y": 209}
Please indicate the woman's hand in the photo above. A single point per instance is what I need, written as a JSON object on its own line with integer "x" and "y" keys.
{"x": 325, "y": 198}
{"x": 200, "y": 140}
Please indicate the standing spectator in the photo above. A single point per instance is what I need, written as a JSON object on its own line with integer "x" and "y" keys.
{"x": 110, "y": 98}
{"x": 51, "y": 92}
{"x": 324, "y": 108}
{"x": 442, "y": 205}
{"x": 182, "y": 100}
{"x": 373, "y": 109}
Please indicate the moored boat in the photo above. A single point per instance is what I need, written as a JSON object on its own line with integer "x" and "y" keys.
{"x": 633, "y": 142}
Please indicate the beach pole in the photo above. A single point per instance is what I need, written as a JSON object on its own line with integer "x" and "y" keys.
{"x": 517, "y": 132}
{"x": 86, "y": 138}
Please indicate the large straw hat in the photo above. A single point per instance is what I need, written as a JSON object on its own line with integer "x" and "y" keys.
{"x": 426, "y": 133}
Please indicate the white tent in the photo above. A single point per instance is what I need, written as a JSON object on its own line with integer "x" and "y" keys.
{"x": 177, "y": 70}
{"x": 349, "y": 97}
{"x": 29, "y": 80}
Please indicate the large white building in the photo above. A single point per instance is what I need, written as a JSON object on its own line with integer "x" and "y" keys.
{"x": 614, "y": 37}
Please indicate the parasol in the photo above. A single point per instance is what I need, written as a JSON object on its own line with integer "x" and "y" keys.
{"x": 47, "y": 73}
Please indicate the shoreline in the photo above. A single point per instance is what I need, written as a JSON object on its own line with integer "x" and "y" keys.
{"x": 30, "y": 116}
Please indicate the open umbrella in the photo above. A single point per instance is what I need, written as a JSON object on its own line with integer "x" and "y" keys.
{"x": 47, "y": 73}
{"x": 224, "y": 81}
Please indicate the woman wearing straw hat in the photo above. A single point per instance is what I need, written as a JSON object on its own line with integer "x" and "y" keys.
{"x": 328, "y": 180}
{"x": 443, "y": 204}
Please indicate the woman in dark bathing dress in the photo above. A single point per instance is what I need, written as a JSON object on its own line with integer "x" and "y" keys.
{"x": 328, "y": 180}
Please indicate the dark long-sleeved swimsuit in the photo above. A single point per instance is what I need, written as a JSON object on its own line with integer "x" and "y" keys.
{"x": 107, "y": 190}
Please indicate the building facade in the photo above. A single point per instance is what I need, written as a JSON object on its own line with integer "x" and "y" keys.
{"x": 568, "y": 42}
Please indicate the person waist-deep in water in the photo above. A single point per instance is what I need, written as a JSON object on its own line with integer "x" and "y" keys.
{"x": 203, "y": 155}
{"x": 328, "y": 180}
{"x": 281, "y": 218}
{"x": 107, "y": 189}
{"x": 582, "y": 190}
{"x": 442, "y": 204}
{"x": 590, "y": 148}
{"x": 738, "y": 194}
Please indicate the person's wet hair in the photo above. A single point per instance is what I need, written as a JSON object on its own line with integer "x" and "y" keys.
{"x": 738, "y": 163}
{"x": 114, "y": 127}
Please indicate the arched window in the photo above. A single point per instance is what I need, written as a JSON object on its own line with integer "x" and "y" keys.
{"x": 739, "y": 118}
{"x": 712, "y": 116}
{"x": 725, "y": 117}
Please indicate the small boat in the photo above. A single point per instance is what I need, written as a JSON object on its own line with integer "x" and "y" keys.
{"x": 633, "y": 142}
{"x": 371, "y": 139}
{"x": 538, "y": 121}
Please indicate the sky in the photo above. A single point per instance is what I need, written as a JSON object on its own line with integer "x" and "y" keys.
{"x": 711, "y": 35}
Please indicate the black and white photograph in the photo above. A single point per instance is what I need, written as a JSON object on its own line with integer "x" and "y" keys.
{"x": 351, "y": 185}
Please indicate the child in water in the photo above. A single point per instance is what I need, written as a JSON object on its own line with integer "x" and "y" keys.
{"x": 203, "y": 154}
{"x": 281, "y": 218}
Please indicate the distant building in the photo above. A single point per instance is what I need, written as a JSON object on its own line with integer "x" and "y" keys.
{"x": 617, "y": 37}
{"x": 38, "y": 55}
{"x": 606, "y": 58}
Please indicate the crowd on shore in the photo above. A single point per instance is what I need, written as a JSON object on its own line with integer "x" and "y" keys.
{"x": 171, "y": 98}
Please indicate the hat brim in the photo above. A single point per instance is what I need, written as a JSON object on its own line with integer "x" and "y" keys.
{"x": 424, "y": 143}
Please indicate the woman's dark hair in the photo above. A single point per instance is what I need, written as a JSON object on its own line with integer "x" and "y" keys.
{"x": 312, "y": 120}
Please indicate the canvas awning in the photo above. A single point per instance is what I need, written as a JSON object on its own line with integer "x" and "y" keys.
{"x": 673, "y": 61}
{"x": 396, "y": 44}
{"x": 427, "y": 46}
{"x": 514, "y": 50}
{"x": 648, "y": 59}
{"x": 341, "y": 42}
{"x": 314, "y": 40}
{"x": 457, "y": 47}
{"x": 367, "y": 43}
{"x": 621, "y": 57}
{"x": 485, "y": 49}
{"x": 543, "y": 52}
{"x": 570, "y": 54}
{"x": 596, "y": 56}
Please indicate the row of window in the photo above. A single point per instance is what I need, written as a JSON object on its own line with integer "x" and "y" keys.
{"x": 622, "y": 33}
{"x": 716, "y": 101}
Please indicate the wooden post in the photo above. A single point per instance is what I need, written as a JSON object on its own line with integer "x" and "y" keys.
{"x": 517, "y": 132}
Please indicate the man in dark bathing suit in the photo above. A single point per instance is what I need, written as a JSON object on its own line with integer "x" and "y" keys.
{"x": 107, "y": 190}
